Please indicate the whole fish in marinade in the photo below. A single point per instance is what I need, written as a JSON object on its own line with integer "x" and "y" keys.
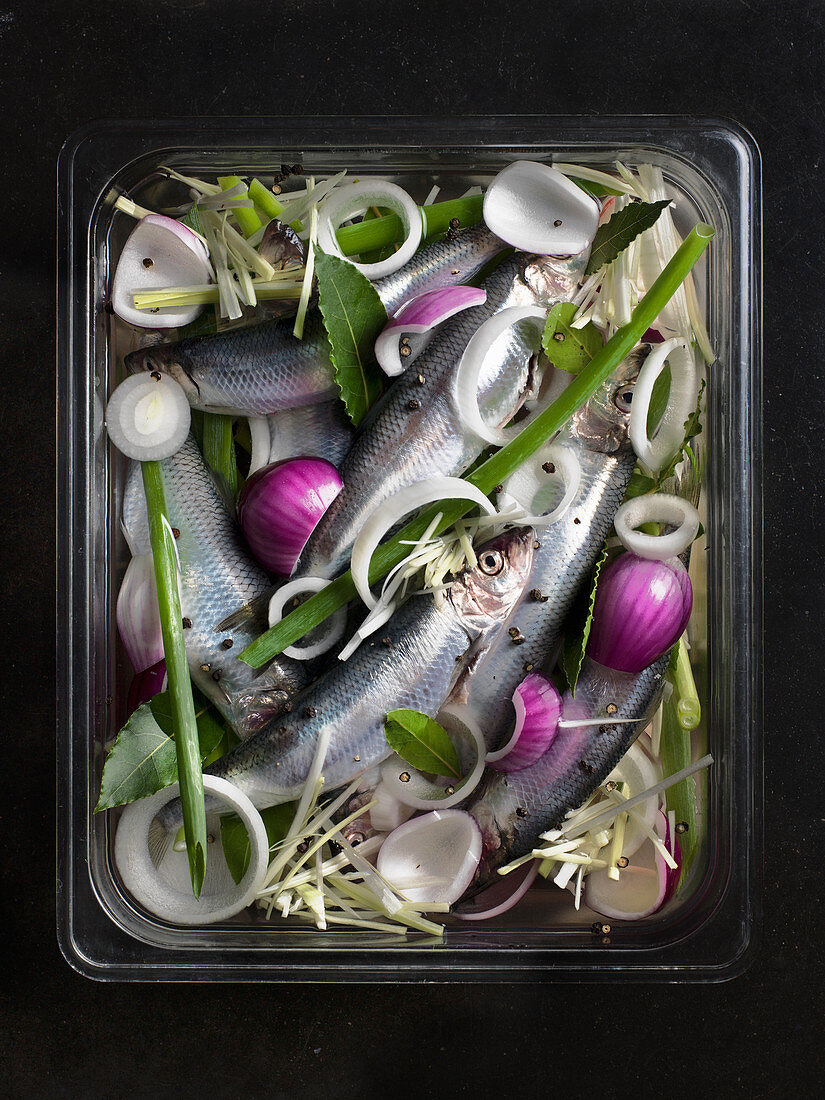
{"x": 424, "y": 647}
{"x": 218, "y": 577}
{"x": 416, "y": 430}
{"x": 597, "y": 438}
{"x": 264, "y": 368}
{"x": 314, "y": 431}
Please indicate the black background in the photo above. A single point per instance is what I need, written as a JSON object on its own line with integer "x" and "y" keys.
{"x": 63, "y": 64}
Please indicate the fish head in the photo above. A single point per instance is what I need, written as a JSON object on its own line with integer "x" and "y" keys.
{"x": 486, "y": 594}
{"x": 602, "y": 423}
{"x": 163, "y": 358}
{"x": 547, "y": 280}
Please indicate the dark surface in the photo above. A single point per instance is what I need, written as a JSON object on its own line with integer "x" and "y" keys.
{"x": 65, "y": 64}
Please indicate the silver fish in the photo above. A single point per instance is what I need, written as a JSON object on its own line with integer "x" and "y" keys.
{"x": 424, "y": 647}
{"x": 317, "y": 431}
{"x": 261, "y": 369}
{"x": 218, "y": 576}
{"x": 566, "y": 553}
{"x": 416, "y": 431}
{"x": 513, "y": 808}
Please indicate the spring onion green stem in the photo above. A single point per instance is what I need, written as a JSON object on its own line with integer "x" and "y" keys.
{"x": 685, "y": 695}
{"x": 219, "y": 450}
{"x": 177, "y": 670}
{"x": 500, "y": 465}
{"x": 376, "y": 233}
{"x": 247, "y": 219}
{"x": 675, "y": 749}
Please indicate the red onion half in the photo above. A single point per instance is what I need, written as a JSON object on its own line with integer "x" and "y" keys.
{"x": 146, "y": 685}
{"x": 280, "y": 506}
{"x": 538, "y": 707}
{"x": 641, "y": 608}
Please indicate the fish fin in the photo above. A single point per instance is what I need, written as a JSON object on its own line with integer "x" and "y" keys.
{"x": 253, "y": 613}
{"x": 159, "y": 842}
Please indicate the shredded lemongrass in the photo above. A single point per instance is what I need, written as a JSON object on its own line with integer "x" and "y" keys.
{"x": 309, "y": 271}
{"x": 191, "y": 181}
{"x": 593, "y": 175}
{"x": 126, "y": 206}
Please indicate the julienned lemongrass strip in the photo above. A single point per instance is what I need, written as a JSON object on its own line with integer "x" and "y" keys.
{"x": 286, "y": 284}
{"x": 498, "y": 468}
{"x": 246, "y": 218}
{"x": 593, "y": 175}
{"x": 177, "y": 670}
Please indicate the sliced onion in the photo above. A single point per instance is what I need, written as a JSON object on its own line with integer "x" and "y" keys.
{"x": 638, "y": 773}
{"x": 641, "y": 887}
{"x": 336, "y": 624}
{"x": 419, "y": 315}
{"x": 535, "y": 208}
{"x": 386, "y": 515}
{"x": 261, "y": 441}
{"x": 388, "y": 812}
{"x": 531, "y": 483}
{"x": 641, "y": 608}
{"x": 538, "y": 705}
{"x": 656, "y": 508}
{"x": 176, "y": 257}
{"x": 654, "y": 453}
{"x": 471, "y": 366}
{"x": 501, "y": 896}
{"x": 146, "y": 685}
{"x": 165, "y": 890}
{"x": 421, "y": 793}
{"x": 440, "y": 851}
{"x": 148, "y": 416}
{"x": 280, "y": 506}
{"x": 138, "y": 618}
{"x": 347, "y": 201}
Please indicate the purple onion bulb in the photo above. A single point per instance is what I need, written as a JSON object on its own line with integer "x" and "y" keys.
{"x": 641, "y": 608}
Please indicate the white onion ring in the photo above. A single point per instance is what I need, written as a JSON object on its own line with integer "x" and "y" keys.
{"x": 346, "y": 201}
{"x": 472, "y": 363}
{"x": 654, "y": 453}
{"x": 386, "y": 515}
{"x": 261, "y": 442}
{"x": 529, "y": 479}
{"x": 337, "y": 621}
{"x": 421, "y": 793}
{"x": 154, "y": 892}
{"x": 656, "y": 508}
{"x": 148, "y": 416}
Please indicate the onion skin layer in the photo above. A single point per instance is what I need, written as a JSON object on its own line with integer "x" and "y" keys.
{"x": 642, "y": 607}
{"x": 280, "y": 507}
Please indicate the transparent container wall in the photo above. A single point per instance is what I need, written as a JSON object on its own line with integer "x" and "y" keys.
{"x": 705, "y": 933}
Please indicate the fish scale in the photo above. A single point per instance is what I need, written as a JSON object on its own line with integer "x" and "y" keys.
{"x": 264, "y": 368}
{"x": 566, "y": 554}
{"x": 415, "y": 431}
{"x": 514, "y": 808}
{"x": 218, "y": 576}
{"x": 423, "y": 648}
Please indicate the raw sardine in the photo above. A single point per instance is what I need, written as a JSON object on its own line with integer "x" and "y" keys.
{"x": 415, "y": 431}
{"x": 218, "y": 577}
{"x": 423, "y": 649}
{"x": 317, "y": 431}
{"x": 263, "y": 368}
{"x": 566, "y": 553}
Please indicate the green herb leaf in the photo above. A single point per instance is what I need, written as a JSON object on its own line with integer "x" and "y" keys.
{"x": 622, "y": 227}
{"x": 420, "y": 741}
{"x": 353, "y": 316}
{"x": 569, "y": 348}
{"x": 235, "y": 839}
{"x": 143, "y": 759}
{"x": 581, "y": 620}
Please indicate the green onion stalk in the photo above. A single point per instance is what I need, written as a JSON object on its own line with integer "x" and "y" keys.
{"x": 502, "y": 463}
{"x": 246, "y": 218}
{"x": 187, "y": 745}
{"x": 218, "y": 449}
{"x": 675, "y": 750}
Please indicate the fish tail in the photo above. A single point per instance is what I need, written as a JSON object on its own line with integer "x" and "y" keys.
{"x": 160, "y": 840}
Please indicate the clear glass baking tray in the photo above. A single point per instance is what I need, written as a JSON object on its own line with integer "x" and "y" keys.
{"x": 708, "y": 932}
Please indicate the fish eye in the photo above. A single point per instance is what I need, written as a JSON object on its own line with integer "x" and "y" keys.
{"x": 491, "y": 562}
{"x": 623, "y": 398}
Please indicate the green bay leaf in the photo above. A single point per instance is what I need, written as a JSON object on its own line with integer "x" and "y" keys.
{"x": 422, "y": 742}
{"x": 580, "y": 622}
{"x": 143, "y": 759}
{"x": 622, "y": 227}
{"x": 235, "y": 839}
{"x": 569, "y": 349}
{"x": 353, "y": 316}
